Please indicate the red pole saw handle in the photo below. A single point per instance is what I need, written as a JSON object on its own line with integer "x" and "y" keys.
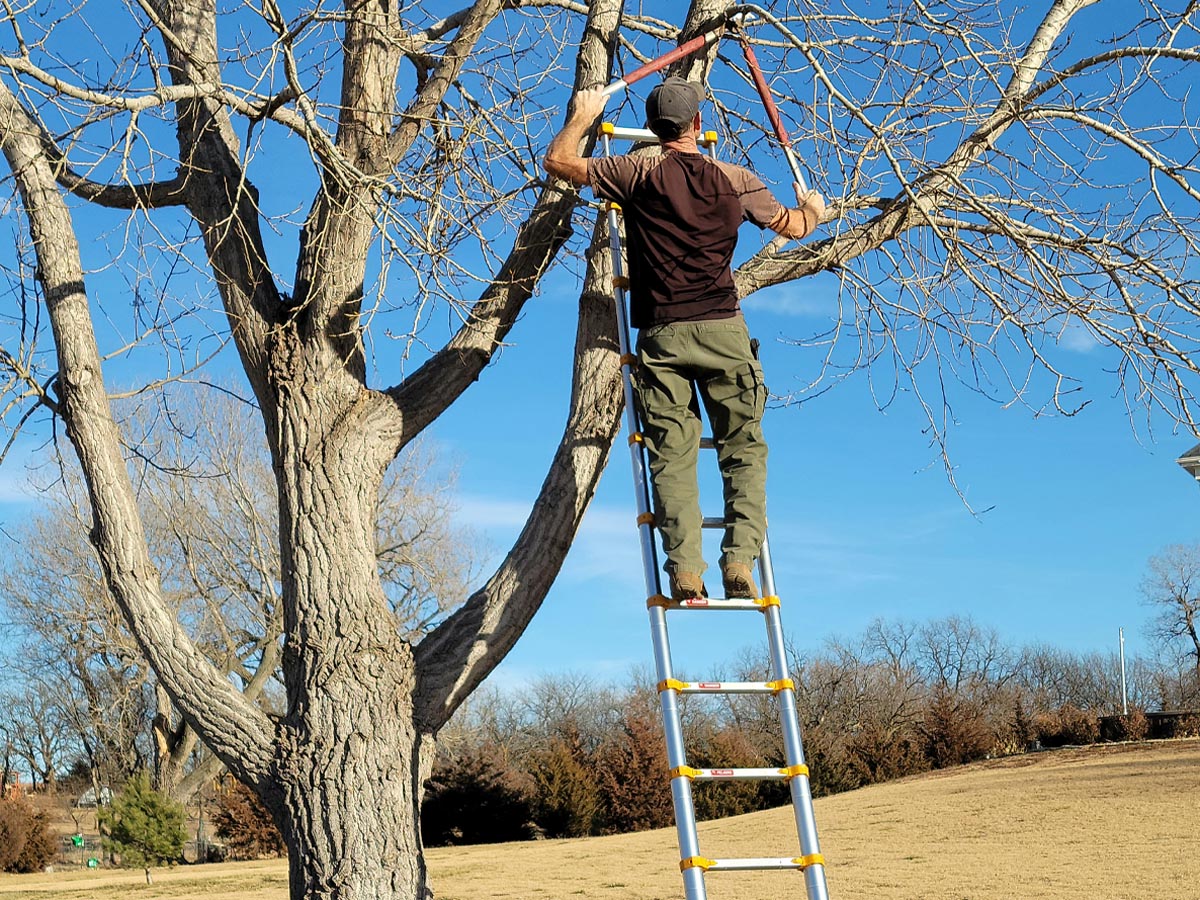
{"x": 685, "y": 49}
{"x": 772, "y": 110}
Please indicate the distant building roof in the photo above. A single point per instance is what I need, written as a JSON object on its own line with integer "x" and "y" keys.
{"x": 1191, "y": 461}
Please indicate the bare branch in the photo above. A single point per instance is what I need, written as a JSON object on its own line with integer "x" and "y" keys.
{"x": 239, "y": 733}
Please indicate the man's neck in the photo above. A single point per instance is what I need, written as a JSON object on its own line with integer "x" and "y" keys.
{"x": 685, "y": 143}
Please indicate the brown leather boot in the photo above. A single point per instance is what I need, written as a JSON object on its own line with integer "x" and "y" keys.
{"x": 738, "y": 581}
{"x": 686, "y": 585}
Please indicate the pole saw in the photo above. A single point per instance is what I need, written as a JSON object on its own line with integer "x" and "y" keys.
{"x": 737, "y": 17}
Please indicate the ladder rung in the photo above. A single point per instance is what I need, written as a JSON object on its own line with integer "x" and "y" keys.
{"x": 751, "y": 864}
{"x": 617, "y": 133}
{"x": 764, "y": 774}
{"x": 728, "y": 687}
{"x": 712, "y": 522}
{"x": 715, "y": 603}
{"x": 706, "y": 443}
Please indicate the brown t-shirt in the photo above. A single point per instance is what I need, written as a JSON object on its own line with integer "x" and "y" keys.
{"x": 682, "y": 212}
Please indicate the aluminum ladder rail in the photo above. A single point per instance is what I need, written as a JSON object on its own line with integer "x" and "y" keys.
{"x": 692, "y": 864}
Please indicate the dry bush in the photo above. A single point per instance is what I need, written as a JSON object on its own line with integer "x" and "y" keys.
{"x": 954, "y": 732}
{"x": 26, "y": 843}
{"x": 476, "y": 798}
{"x": 1067, "y": 725}
{"x": 245, "y": 826}
{"x": 1131, "y": 727}
{"x": 632, "y": 775}
{"x": 1014, "y": 733}
{"x": 1188, "y": 726}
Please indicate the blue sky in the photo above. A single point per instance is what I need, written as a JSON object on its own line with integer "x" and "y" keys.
{"x": 864, "y": 521}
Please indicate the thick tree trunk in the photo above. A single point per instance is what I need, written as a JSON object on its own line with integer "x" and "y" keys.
{"x": 351, "y": 822}
{"x": 347, "y": 770}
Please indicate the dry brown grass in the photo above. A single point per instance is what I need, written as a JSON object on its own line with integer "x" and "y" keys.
{"x": 1099, "y": 823}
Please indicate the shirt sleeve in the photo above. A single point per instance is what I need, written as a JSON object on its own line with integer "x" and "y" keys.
{"x": 758, "y": 203}
{"x": 612, "y": 177}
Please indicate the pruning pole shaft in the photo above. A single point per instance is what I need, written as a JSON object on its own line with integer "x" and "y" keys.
{"x": 685, "y": 49}
{"x": 772, "y": 110}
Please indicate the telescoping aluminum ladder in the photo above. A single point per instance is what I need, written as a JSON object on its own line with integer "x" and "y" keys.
{"x": 693, "y": 865}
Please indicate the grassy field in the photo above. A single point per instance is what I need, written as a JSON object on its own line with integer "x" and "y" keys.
{"x": 1098, "y": 823}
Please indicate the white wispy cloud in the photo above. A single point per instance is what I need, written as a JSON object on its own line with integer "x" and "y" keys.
{"x": 809, "y": 298}
{"x": 871, "y": 555}
{"x": 15, "y": 486}
{"x": 501, "y": 514}
{"x": 606, "y": 546}
{"x": 607, "y": 551}
{"x": 1076, "y": 338}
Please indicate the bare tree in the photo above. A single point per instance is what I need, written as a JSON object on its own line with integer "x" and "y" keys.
{"x": 208, "y": 502}
{"x": 1010, "y": 197}
{"x": 69, "y": 637}
{"x": 1050, "y": 677}
{"x": 975, "y": 230}
{"x": 872, "y": 689}
{"x": 35, "y": 731}
{"x": 1172, "y": 586}
{"x": 957, "y": 656}
{"x": 344, "y": 766}
{"x": 1169, "y": 687}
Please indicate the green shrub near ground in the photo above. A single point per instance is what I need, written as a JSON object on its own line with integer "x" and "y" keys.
{"x": 476, "y": 798}
{"x": 880, "y": 752}
{"x": 567, "y": 799}
{"x": 729, "y": 748}
{"x": 143, "y": 827}
{"x": 954, "y": 732}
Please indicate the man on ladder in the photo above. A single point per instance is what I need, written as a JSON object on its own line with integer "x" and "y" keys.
{"x": 682, "y": 211}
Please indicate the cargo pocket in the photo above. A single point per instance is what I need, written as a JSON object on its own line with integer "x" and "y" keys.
{"x": 753, "y": 390}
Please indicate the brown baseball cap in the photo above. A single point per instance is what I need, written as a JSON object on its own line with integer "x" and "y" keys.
{"x": 672, "y": 106}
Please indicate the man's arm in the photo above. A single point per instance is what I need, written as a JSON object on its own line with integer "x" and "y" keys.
{"x": 562, "y": 156}
{"x": 800, "y": 222}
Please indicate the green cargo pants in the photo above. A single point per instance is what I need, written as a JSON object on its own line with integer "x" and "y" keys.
{"x": 679, "y": 366}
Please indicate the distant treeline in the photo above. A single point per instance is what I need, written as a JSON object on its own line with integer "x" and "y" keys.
{"x": 571, "y": 756}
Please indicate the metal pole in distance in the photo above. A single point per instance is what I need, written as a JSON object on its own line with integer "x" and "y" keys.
{"x": 806, "y": 826}
{"x": 681, "y": 787}
{"x": 1124, "y": 693}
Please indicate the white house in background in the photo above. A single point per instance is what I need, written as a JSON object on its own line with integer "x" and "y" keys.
{"x": 1191, "y": 462}
{"x": 88, "y": 797}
